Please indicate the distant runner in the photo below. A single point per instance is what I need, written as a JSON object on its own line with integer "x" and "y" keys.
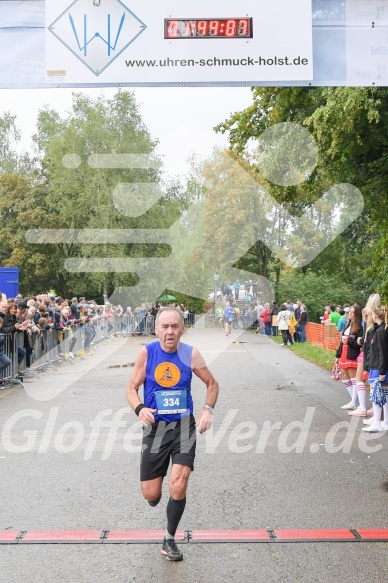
{"x": 228, "y": 315}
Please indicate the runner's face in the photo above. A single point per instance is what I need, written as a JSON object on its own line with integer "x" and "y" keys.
{"x": 169, "y": 330}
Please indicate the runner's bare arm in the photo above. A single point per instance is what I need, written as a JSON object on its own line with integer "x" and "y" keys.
{"x": 137, "y": 379}
{"x": 205, "y": 418}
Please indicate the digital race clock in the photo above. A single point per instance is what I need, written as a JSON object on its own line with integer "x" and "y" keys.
{"x": 208, "y": 28}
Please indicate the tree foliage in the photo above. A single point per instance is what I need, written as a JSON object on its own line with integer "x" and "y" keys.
{"x": 221, "y": 216}
{"x": 71, "y": 191}
{"x": 349, "y": 125}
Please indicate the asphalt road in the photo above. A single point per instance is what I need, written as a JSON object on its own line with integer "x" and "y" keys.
{"x": 281, "y": 455}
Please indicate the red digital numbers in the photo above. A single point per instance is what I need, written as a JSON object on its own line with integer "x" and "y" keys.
{"x": 231, "y": 28}
{"x": 208, "y": 28}
{"x": 202, "y": 27}
{"x": 213, "y": 27}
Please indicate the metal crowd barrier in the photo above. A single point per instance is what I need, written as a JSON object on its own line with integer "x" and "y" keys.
{"x": 132, "y": 324}
{"x": 192, "y": 319}
{"x": 128, "y": 324}
{"x": 51, "y": 347}
{"x": 48, "y": 348}
{"x": 8, "y": 351}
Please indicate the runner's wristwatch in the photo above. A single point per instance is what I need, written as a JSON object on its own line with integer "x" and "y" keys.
{"x": 211, "y": 409}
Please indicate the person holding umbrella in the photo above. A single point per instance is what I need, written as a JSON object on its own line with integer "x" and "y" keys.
{"x": 167, "y": 298}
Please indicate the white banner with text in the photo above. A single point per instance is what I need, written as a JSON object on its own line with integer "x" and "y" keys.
{"x": 177, "y": 41}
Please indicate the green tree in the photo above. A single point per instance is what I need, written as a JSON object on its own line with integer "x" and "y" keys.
{"x": 80, "y": 189}
{"x": 316, "y": 289}
{"x": 349, "y": 125}
{"x": 22, "y": 206}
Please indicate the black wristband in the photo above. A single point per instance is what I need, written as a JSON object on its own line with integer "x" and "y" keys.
{"x": 139, "y": 408}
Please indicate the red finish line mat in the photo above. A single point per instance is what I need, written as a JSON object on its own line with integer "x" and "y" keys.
{"x": 8, "y": 537}
{"x": 141, "y": 536}
{"x": 225, "y": 536}
{"x": 315, "y": 535}
{"x": 62, "y": 536}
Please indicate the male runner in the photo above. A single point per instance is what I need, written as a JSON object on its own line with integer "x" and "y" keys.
{"x": 165, "y": 367}
{"x": 229, "y": 313}
{"x": 220, "y": 315}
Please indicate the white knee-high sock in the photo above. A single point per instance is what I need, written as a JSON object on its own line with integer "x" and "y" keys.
{"x": 361, "y": 393}
{"x": 354, "y": 391}
{"x": 377, "y": 414}
{"x": 348, "y": 385}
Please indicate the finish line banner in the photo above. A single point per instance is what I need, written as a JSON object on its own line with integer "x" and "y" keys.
{"x": 177, "y": 41}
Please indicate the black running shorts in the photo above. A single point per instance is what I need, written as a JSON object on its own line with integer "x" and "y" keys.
{"x": 162, "y": 441}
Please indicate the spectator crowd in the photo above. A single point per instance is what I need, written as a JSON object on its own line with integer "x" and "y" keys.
{"x": 67, "y": 328}
{"x": 248, "y": 310}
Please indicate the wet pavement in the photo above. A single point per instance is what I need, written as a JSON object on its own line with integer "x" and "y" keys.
{"x": 281, "y": 455}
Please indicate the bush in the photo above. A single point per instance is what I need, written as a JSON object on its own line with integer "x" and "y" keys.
{"x": 314, "y": 290}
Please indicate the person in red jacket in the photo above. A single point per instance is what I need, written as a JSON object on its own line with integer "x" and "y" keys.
{"x": 266, "y": 319}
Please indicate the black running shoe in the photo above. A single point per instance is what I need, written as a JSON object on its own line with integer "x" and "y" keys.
{"x": 171, "y": 551}
{"x": 156, "y": 501}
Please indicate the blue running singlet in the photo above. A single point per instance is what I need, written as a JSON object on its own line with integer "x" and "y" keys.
{"x": 167, "y": 387}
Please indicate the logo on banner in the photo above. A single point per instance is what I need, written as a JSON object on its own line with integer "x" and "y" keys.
{"x": 97, "y": 32}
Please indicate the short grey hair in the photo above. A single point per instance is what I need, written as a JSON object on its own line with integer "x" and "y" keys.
{"x": 169, "y": 309}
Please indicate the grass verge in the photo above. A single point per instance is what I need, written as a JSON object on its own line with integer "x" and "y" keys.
{"x": 320, "y": 356}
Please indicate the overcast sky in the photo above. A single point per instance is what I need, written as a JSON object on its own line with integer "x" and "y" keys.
{"x": 181, "y": 118}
